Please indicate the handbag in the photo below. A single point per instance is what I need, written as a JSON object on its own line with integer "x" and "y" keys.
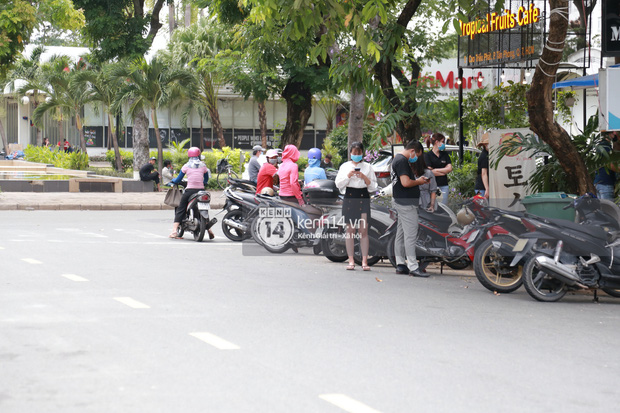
{"x": 173, "y": 197}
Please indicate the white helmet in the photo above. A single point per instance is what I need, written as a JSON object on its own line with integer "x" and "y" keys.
{"x": 267, "y": 191}
{"x": 465, "y": 216}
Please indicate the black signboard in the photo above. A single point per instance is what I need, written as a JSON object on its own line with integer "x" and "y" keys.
{"x": 497, "y": 38}
{"x": 93, "y": 135}
{"x": 307, "y": 140}
{"x": 248, "y": 138}
{"x": 129, "y": 137}
{"x": 206, "y": 135}
{"x": 611, "y": 28}
{"x": 165, "y": 139}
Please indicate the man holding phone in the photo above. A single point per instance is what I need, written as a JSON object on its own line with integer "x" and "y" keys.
{"x": 406, "y": 194}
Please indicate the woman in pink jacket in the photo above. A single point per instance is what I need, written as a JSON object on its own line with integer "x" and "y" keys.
{"x": 289, "y": 175}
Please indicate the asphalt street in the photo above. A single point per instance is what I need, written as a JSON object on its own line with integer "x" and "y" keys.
{"x": 101, "y": 312}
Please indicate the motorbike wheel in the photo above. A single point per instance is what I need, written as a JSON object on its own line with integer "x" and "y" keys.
{"x": 274, "y": 250}
{"x": 540, "y": 285}
{"x": 180, "y": 230}
{"x": 199, "y": 233}
{"x": 612, "y": 292}
{"x": 372, "y": 259}
{"x": 492, "y": 269}
{"x": 391, "y": 255}
{"x": 231, "y": 233}
{"x": 331, "y": 249}
{"x": 458, "y": 265}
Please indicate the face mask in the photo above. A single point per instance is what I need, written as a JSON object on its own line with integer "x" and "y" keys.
{"x": 356, "y": 158}
{"x": 273, "y": 161}
{"x": 414, "y": 159}
{"x": 442, "y": 147}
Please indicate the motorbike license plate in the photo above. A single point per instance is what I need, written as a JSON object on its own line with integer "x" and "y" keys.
{"x": 520, "y": 245}
{"x": 203, "y": 205}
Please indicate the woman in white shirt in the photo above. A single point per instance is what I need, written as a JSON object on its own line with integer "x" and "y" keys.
{"x": 356, "y": 179}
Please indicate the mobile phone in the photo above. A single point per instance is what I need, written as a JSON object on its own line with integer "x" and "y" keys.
{"x": 357, "y": 169}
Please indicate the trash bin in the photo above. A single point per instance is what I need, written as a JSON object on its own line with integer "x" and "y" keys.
{"x": 550, "y": 205}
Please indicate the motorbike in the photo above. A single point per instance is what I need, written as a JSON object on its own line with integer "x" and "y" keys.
{"x": 565, "y": 256}
{"x": 439, "y": 242}
{"x": 196, "y": 218}
{"x": 240, "y": 201}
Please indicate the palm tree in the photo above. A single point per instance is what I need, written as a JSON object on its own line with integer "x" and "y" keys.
{"x": 63, "y": 95}
{"x": 202, "y": 40}
{"x": 149, "y": 86}
{"x": 102, "y": 87}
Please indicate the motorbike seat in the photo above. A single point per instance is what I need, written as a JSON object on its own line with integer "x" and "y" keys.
{"x": 441, "y": 220}
{"x": 196, "y": 195}
{"x": 591, "y": 230}
{"x": 312, "y": 211}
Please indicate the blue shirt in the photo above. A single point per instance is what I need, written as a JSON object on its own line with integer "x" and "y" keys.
{"x": 314, "y": 172}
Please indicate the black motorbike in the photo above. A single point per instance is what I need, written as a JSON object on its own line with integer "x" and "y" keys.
{"x": 196, "y": 218}
{"x": 240, "y": 201}
{"x": 564, "y": 256}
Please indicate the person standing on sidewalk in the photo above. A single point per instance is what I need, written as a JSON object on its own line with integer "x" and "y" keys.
{"x": 482, "y": 177}
{"x": 439, "y": 162}
{"x": 406, "y": 194}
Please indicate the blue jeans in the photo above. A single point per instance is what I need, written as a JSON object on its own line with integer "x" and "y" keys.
{"x": 604, "y": 191}
{"x": 444, "y": 193}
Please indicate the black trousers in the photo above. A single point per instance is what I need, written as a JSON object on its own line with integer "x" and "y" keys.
{"x": 179, "y": 212}
{"x": 153, "y": 176}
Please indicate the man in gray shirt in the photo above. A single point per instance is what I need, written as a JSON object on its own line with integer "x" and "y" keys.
{"x": 254, "y": 165}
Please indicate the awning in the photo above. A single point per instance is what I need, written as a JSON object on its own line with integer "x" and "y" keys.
{"x": 578, "y": 83}
{"x": 583, "y": 82}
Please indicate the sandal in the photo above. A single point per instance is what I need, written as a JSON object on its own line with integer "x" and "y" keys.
{"x": 211, "y": 234}
{"x": 174, "y": 236}
{"x": 366, "y": 267}
{"x": 350, "y": 267}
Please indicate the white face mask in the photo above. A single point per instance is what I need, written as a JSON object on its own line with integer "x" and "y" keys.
{"x": 273, "y": 161}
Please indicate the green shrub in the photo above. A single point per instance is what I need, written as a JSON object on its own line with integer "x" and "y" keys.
{"x": 211, "y": 158}
{"x": 126, "y": 159}
{"x": 58, "y": 158}
{"x": 339, "y": 139}
{"x": 329, "y": 148}
{"x": 462, "y": 179}
{"x": 302, "y": 163}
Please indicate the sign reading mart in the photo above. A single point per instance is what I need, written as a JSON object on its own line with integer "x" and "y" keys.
{"x": 443, "y": 76}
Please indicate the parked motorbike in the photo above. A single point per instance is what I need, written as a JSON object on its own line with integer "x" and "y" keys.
{"x": 565, "y": 256}
{"x": 196, "y": 218}
{"x": 240, "y": 201}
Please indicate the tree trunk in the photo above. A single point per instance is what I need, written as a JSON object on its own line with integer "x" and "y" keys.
{"x": 140, "y": 140}
{"x": 298, "y": 110}
{"x": 171, "y": 19}
{"x": 112, "y": 138}
{"x": 357, "y": 113}
{"x": 262, "y": 121}
{"x": 5, "y": 142}
{"x": 202, "y": 137}
{"x": 61, "y": 129}
{"x": 217, "y": 125}
{"x": 78, "y": 125}
{"x": 188, "y": 14}
{"x": 540, "y": 106}
{"x": 330, "y": 126}
{"x": 160, "y": 147}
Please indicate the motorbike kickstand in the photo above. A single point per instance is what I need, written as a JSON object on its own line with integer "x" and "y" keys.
{"x": 441, "y": 268}
{"x": 595, "y": 296}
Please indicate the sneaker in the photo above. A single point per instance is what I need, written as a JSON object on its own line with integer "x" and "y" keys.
{"x": 402, "y": 269}
{"x": 418, "y": 273}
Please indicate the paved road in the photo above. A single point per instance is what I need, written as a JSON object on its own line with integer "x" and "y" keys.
{"x": 100, "y": 312}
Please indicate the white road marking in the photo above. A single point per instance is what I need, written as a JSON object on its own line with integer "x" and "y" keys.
{"x": 215, "y": 341}
{"x": 347, "y": 404}
{"x": 68, "y": 229}
{"x": 31, "y": 261}
{"x": 131, "y": 302}
{"x": 118, "y": 229}
{"x": 54, "y": 240}
{"x": 92, "y": 234}
{"x": 74, "y": 277}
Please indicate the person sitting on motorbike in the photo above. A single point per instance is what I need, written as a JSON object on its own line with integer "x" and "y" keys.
{"x": 289, "y": 176}
{"x": 197, "y": 177}
{"x": 268, "y": 174}
{"x": 314, "y": 170}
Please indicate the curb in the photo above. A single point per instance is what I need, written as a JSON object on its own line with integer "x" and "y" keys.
{"x": 93, "y": 207}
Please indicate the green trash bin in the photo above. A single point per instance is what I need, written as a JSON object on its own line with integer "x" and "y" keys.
{"x": 550, "y": 205}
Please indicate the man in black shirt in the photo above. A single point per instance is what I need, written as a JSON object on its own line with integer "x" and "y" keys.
{"x": 482, "y": 178}
{"x": 406, "y": 201}
{"x": 149, "y": 173}
{"x": 438, "y": 161}
{"x": 327, "y": 163}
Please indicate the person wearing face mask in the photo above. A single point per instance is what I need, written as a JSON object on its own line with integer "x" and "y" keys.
{"x": 314, "y": 170}
{"x": 289, "y": 176}
{"x": 357, "y": 180}
{"x": 428, "y": 191}
{"x": 406, "y": 199}
{"x": 268, "y": 174}
{"x": 439, "y": 162}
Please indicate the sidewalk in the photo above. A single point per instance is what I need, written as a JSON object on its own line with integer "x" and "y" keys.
{"x": 92, "y": 200}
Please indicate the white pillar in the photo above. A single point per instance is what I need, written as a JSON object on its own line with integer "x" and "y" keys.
{"x": 23, "y": 125}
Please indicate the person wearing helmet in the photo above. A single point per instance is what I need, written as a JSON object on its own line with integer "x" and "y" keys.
{"x": 268, "y": 174}
{"x": 149, "y": 173}
{"x": 289, "y": 175}
{"x": 254, "y": 164}
{"x": 428, "y": 191}
{"x": 314, "y": 170}
{"x": 197, "y": 175}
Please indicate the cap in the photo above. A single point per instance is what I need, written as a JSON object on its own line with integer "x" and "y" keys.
{"x": 153, "y": 158}
{"x": 258, "y": 148}
{"x": 271, "y": 153}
